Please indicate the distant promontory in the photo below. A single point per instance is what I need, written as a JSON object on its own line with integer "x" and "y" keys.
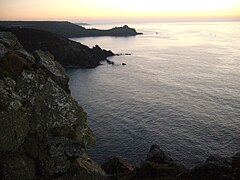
{"x": 68, "y": 53}
{"x": 70, "y": 30}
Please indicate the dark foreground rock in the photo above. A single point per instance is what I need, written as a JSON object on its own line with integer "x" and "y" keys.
{"x": 43, "y": 132}
{"x": 159, "y": 166}
{"x": 68, "y": 53}
{"x": 70, "y": 30}
{"x": 218, "y": 168}
{"x": 118, "y": 168}
{"x": 110, "y": 62}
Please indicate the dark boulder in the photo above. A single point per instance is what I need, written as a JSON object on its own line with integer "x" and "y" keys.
{"x": 101, "y": 54}
{"x": 9, "y": 40}
{"x": 110, "y": 62}
{"x": 118, "y": 167}
{"x": 158, "y": 166}
{"x": 215, "y": 168}
{"x": 84, "y": 168}
{"x": 236, "y": 165}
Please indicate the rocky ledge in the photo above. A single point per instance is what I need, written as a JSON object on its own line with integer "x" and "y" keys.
{"x": 68, "y": 53}
{"x": 43, "y": 132}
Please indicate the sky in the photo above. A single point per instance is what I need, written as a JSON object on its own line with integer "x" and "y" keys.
{"x": 119, "y": 11}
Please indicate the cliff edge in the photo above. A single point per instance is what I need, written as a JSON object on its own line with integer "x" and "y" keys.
{"x": 44, "y": 131}
{"x": 70, "y": 30}
{"x": 68, "y": 53}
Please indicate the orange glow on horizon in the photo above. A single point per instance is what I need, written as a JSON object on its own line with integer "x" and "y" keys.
{"x": 125, "y": 9}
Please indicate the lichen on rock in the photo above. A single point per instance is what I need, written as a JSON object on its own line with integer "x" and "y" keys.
{"x": 13, "y": 117}
{"x": 52, "y": 68}
{"x": 42, "y": 127}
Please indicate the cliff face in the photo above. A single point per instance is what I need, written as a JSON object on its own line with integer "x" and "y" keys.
{"x": 43, "y": 132}
{"x": 68, "y": 53}
{"x": 70, "y": 30}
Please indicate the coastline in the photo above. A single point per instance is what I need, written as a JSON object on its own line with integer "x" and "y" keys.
{"x": 211, "y": 169}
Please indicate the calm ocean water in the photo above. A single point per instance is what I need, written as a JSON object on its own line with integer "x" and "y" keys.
{"x": 180, "y": 90}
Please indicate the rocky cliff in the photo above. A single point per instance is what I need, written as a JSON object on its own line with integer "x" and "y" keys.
{"x": 68, "y": 53}
{"x": 70, "y": 30}
{"x": 43, "y": 132}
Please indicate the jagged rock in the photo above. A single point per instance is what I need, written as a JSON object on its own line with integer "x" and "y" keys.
{"x": 9, "y": 40}
{"x": 42, "y": 126}
{"x": 13, "y": 117}
{"x": 29, "y": 84}
{"x": 88, "y": 169}
{"x": 17, "y": 167}
{"x": 158, "y": 166}
{"x": 3, "y": 50}
{"x": 13, "y": 58}
{"x": 100, "y": 53}
{"x": 215, "y": 168}
{"x": 24, "y": 54}
{"x": 52, "y": 68}
{"x": 118, "y": 167}
{"x": 12, "y": 65}
{"x": 68, "y": 53}
{"x": 84, "y": 168}
{"x": 157, "y": 155}
{"x": 54, "y": 108}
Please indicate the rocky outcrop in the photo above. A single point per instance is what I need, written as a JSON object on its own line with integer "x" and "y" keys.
{"x": 52, "y": 68}
{"x": 43, "y": 132}
{"x": 70, "y": 30}
{"x": 158, "y": 166}
{"x": 68, "y": 53}
{"x": 118, "y": 168}
{"x": 218, "y": 168}
{"x": 116, "y": 31}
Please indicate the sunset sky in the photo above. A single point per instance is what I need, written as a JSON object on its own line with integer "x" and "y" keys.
{"x": 115, "y": 11}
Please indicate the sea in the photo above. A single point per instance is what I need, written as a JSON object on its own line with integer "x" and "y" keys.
{"x": 179, "y": 89}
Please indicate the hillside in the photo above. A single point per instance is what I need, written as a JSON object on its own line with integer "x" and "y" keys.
{"x": 67, "y": 52}
{"x": 70, "y": 30}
